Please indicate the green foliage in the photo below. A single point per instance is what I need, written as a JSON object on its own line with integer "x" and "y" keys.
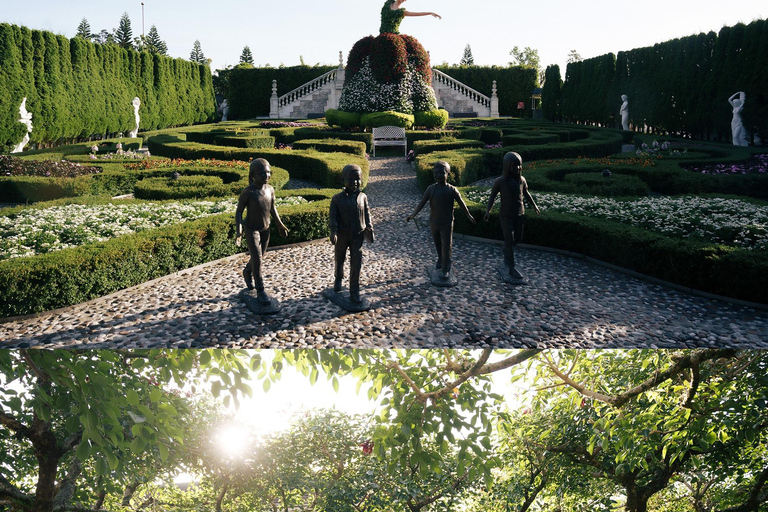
{"x": 344, "y": 120}
{"x": 422, "y": 147}
{"x": 254, "y": 142}
{"x": 153, "y": 42}
{"x": 389, "y": 118}
{"x": 332, "y": 146}
{"x": 124, "y": 33}
{"x": 197, "y": 55}
{"x": 248, "y": 90}
{"x": 674, "y": 86}
{"x": 84, "y": 29}
{"x": 246, "y": 57}
{"x": 514, "y": 84}
{"x": 322, "y": 168}
{"x": 467, "y": 59}
{"x": 75, "y": 88}
{"x": 431, "y": 119}
{"x": 551, "y": 94}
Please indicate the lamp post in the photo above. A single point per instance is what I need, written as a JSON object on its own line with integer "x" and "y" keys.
{"x": 142, "y": 20}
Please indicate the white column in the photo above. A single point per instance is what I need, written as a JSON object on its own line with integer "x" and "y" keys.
{"x": 494, "y": 101}
{"x": 273, "y": 108}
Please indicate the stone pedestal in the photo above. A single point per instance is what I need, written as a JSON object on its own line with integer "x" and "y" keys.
{"x": 439, "y": 279}
{"x": 342, "y": 300}
{"x": 516, "y": 278}
{"x": 258, "y": 307}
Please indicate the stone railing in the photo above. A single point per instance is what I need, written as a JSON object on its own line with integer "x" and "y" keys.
{"x": 305, "y": 90}
{"x": 439, "y": 76}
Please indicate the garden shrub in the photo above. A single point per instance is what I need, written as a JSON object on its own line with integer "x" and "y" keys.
{"x": 388, "y": 118}
{"x": 182, "y": 187}
{"x": 345, "y": 120}
{"x": 245, "y": 141}
{"x": 421, "y": 147}
{"x": 490, "y": 135}
{"x": 530, "y": 139}
{"x": 319, "y": 133}
{"x": 431, "y": 119}
{"x": 596, "y": 184}
{"x": 322, "y": 168}
{"x": 332, "y": 146}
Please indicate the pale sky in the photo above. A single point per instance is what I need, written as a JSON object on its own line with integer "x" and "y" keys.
{"x": 281, "y": 32}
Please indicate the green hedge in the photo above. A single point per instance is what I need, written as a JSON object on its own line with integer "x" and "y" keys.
{"x": 71, "y": 276}
{"x": 332, "y": 146}
{"x": 389, "y": 118}
{"x": 431, "y": 119}
{"x": 726, "y": 271}
{"x": 76, "y": 88}
{"x": 421, "y": 147}
{"x": 531, "y": 139}
{"x": 245, "y": 141}
{"x": 322, "y": 168}
{"x": 321, "y": 133}
{"x": 345, "y": 120}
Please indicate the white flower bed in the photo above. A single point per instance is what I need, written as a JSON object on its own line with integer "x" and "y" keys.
{"x": 38, "y": 231}
{"x": 724, "y": 221}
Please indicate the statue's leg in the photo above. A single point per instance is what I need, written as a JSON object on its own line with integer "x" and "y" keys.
{"x": 446, "y": 240}
{"x": 355, "y": 265}
{"x": 507, "y": 230}
{"x": 340, "y": 255}
{"x": 438, "y": 244}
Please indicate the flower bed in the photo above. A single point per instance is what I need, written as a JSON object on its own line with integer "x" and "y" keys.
{"x": 757, "y": 165}
{"x": 12, "y": 166}
{"x": 731, "y": 222}
{"x": 35, "y": 231}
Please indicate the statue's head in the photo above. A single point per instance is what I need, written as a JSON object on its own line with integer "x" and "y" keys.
{"x": 259, "y": 172}
{"x": 513, "y": 165}
{"x": 353, "y": 177}
{"x": 624, "y": 97}
{"x": 441, "y": 171}
{"x": 136, "y": 102}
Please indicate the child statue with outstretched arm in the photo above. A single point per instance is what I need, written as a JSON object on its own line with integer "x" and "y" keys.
{"x": 514, "y": 192}
{"x": 258, "y": 198}
{"x": 441, "y": 197}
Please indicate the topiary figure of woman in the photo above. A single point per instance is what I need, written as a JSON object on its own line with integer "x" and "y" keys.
{"x": 392, "y": 14}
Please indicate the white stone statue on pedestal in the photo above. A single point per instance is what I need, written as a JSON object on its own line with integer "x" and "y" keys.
{"x": 624, "y": 112}
{"x": 738, "y": 132}
{"x": 224, "y": 109}
{"x": 136, "y": 104}
{"x": 25, "y": 118}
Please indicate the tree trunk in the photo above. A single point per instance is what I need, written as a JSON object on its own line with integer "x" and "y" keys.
{"x": 99, "y": 500}
{"x": 130, "y": 490}
{"x": 220, "y": 497}
{"x": 46, "y": 482}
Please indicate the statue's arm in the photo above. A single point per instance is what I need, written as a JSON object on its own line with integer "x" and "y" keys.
{"x": 492, "y": 198}
{"x": 367, "y": 214}
{"x": 408, "y": 13}
{"x": 463, "y": 206}
{"x": 273, "y": 210}
{"x": 421, "y": 204}
{"x": 529, "y": 197}
{"x": 241, "y": 204}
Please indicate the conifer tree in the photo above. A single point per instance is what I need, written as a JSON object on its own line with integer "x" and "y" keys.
{"x": 84, "y": 29}
{"x": 467, "y": 59}
{"x": 153, "y": 42}
{"x": 124, "y": 34}
{"x": 197, "y": 53}
{"x": 246, "y": 57}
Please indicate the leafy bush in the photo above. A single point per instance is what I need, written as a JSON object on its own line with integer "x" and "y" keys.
{"x": 530, "y": 139}
{"x": 254, "y": 142}
{"x": 596, "y": 184}
{"x": 431, "y": 119}
{"x": 13, "y": 166}
{"x": 332, "y": 146}
{"x": 427, "y": 146}
{"x": 182, "y": 187}
{"x": 388, "y": 118}
{"x": 342, "y": 119}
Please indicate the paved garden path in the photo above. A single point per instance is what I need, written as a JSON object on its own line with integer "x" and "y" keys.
{"x": 568, "y": 302}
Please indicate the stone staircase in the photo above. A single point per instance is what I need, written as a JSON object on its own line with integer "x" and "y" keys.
{"x": 315, "y": 97}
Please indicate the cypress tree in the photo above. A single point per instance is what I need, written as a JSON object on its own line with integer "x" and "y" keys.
{"x": 124, "y": 34}
{"x": 84, "y": 29}
{"x": 551, "y": 93}
{"x": 11, "y": 88}
{"x": 196, "y": 55}
{"x": 154, "y": 43}
{"x": 467, "y": 59}
{"x": 246, "y": 57}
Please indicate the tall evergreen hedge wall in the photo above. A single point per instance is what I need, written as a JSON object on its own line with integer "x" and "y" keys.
{"x": 514, "y": 84}
{"x": 75, "y": 88}
{"x": 681, "y": 86}
{"x": 248, "y": 89}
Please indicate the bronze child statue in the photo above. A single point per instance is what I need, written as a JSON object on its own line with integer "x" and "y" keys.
{"x": 350, "y": 223}
{"x": 514, "y": 191}
{"x": 441, "y": 197}
{"x": 258, "y": 198}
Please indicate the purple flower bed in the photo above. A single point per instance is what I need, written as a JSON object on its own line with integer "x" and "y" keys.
{"x": 757, "y": 165}
{"x": 284, "y": 124}
{"x": 12, "y": 166}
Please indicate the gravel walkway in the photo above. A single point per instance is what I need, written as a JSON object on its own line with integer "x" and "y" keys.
{"x": 568, "y": 302}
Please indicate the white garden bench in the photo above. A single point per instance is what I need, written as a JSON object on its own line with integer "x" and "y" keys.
{"x": 389, "y": 136}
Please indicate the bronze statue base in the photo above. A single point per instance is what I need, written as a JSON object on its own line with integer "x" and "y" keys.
{"x": 255, "y": 305}
{"x": 439, "y": 279}
{"x": 342, "y": 300}
{"x": 515, "y": 278}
